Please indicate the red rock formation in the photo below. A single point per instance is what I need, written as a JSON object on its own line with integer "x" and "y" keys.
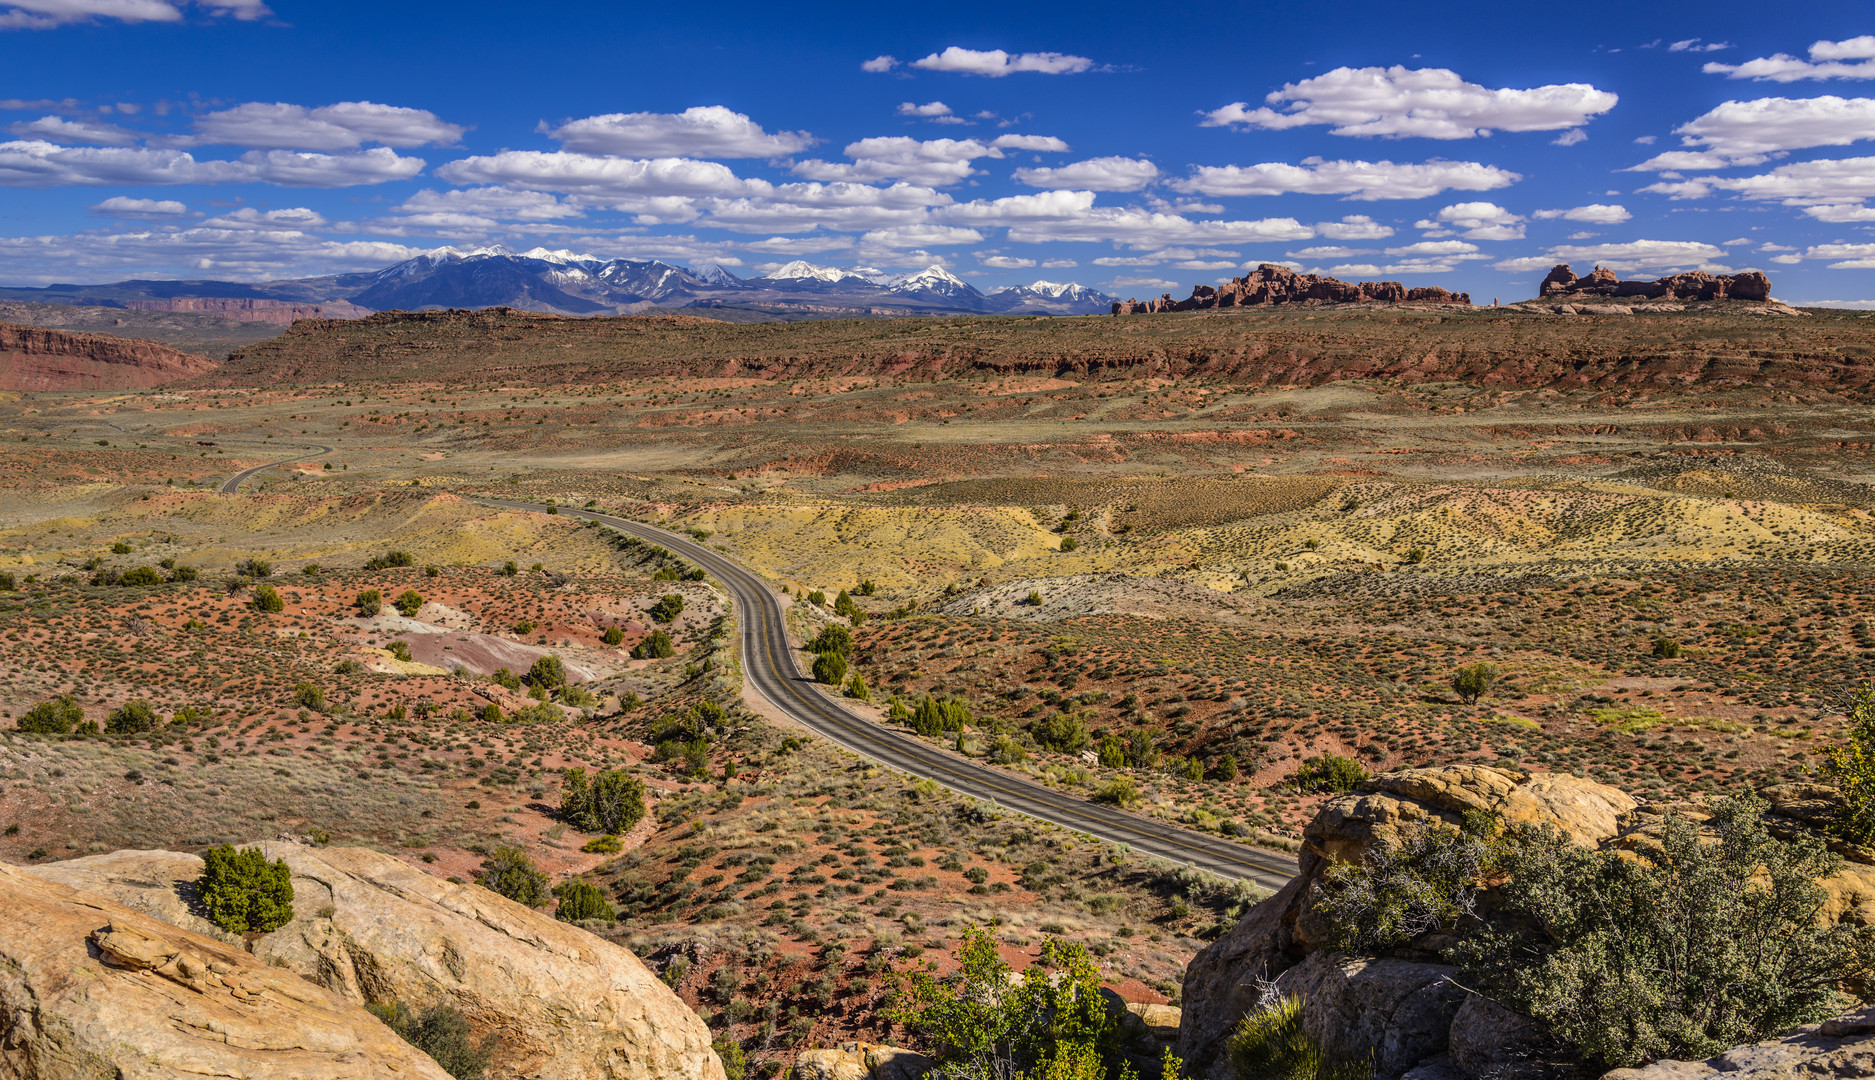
{"x": 1271, "y": 284}
{"x": 34, "y": 358}
{"x": 1697, "y": 285}
{"x": 248, "y": 309}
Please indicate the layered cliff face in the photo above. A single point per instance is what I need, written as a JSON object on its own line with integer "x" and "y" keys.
{"x": 1270, "y": 284}
{"x": 1405, "y": 1010}
{"x": 1698, "y": 285}
{"x": 33, "y": 358}
{"x": 248, "y": 309}
{"x": 562, "y": 1004}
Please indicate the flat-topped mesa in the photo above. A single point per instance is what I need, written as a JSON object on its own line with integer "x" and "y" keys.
{"x": 1271, "y": 284}
{"x": 1698, "y": 285}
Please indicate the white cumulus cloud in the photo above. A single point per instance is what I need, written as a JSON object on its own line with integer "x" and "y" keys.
{"x": 1658, "y": 255}
{"x": 933, "y": 162}
{"x": 126, "y": 207}
{"x": 917, "y": 236}
{"x": 1475, "y": 221}
{"x": 1852, "y": 58}
{"x": 880, "y": 63}
{"x": 705, "y": 131}
{"x": 1358, "y": 180}
{"x": 46, "y": 14}
{"x": 1354, "y": 227}
{"x": 1094, "y": 174}
{"x": 996, "y": 63}
{"x": 1593, "y": 213}
{"x": 329, "y": 127}
{"x": 597, "y": 175}
{"x": 1433, "y": 103}
{"x": 1750, "y": 132}
{"x": 59, "y": 129}
{"x": 1831, "y": 180}
{"x": 36, "y": 163}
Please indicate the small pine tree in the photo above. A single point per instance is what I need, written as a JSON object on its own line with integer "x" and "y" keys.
{"x": 830, "y": 668}
{"x": 507, "y": 870}
{"x": 244, "y": 892}
{"x": 267, "y": 598}
{"x": 548, "y": 671}
{"x": 856, "y": 688}
{"x": 581, "y": 901}
{"x": 612, "y": 636}
{"x": 131, "y": 717}
{"x": 55, "y": 717}
{"x": 409, "y": 603}
{"x": 370, "y": 602}
{"x": 656, "y": 645}
{"x": 1473, "y": 681}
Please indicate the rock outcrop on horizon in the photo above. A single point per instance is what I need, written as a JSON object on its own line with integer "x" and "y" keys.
{"x": 1404, "y": 1009}
{"x": 1697, "y": 285}
{"x": 92, "y": 988}
{"x": 1271, "y": 284}
{"x": 250, "y": 309}
{"x": 562, "y": 1003}
{"x": 33, "y": 358}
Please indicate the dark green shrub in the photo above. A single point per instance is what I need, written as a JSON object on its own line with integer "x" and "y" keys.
{"x": 8, "y": 582}
{"x": 1473, "y": 681}
{"x": 1119, "y": 791}
{"x": 120, "y": 548}
{"x": 654, "y": 646}
{"x": 502, "y": 676}
{"x": 829, "y": 668}
{"x": 1112, "y": 752}
{"x": 1667, "y": 649}
{"x": 1851, "y": 766}
{"x": 254, "y": 568}
{"x": 442, "y": 1032}
{"x": 131, "y": 717}
{"x": 1225, "y": 769}
{"x": 310, "y": 696}
{"x": 1701, "y": 947}
{"x": 581, "y": 902}
{"x": 1061, "y": 733}
{"x": 390, "y": 559}
{"x": 832, "y": 638}
{"x": 984, "y": 1021}
{"x": 933, "y": 717}
{"x": 613, "y": 635}
{"x": 668, "y": 607}
{"x": 1329, "y": 772}
{"x": 507, "y": 870}
{"x": 370, "y": 602}
{"x": 611, "y": 802}
{"x": 244, "y": 892}
{"x": 1272, "y": 1044}
{"x": 267, "y": 598}
{"x": 1069, "y": 543}
{"x": 856, "y": 688}
{"x": 1427, "y": 880}
{"x": 183, "y": 574}
{"x": 509, "y": 569}
{"x": 141, "y": 577}
{"x": 548, "y": 671}
{"x": 409, "y": 602}
{"x": 55, "y": 717}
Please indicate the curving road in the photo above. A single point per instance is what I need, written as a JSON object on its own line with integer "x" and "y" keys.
{"x": 233, "y": 483}
{"x": 768, "y": 663}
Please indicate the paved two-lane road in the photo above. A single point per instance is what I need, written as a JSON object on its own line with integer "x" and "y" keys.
{"x": 233, "y": 483}
{"x": 768, "y": 663}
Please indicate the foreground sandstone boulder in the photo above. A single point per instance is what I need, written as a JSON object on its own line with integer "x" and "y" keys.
{"x": 1399, "y": 1010}
{"x": 1844, "y": 1046}
{"x": 1404, "y": 1011}
{"x": 91, "y": 988}
{"x": 562, "y": 1003}
{"x": 861, "y": 1061}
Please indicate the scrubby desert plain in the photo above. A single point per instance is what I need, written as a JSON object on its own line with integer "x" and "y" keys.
{"x": 1228, "y": 541}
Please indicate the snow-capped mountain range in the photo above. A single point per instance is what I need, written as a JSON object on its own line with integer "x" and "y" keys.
{"x": 573, "y": 283}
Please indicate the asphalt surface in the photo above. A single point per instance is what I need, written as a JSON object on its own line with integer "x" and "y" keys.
{"x": 768, "y": 662}
{"x": 233, "y": 483}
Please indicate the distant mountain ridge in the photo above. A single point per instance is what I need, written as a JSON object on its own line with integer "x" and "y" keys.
{"x": 570, "y": 283}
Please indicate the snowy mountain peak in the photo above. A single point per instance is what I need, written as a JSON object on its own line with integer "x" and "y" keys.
{"x": 562, "y": 256}
{"x": 934, "y": 278}
{"x": 802, "y": 270}
{"x": 715, "y": 274}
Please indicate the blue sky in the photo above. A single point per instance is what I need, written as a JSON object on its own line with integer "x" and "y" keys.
{"x": 1138, "y": 149}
